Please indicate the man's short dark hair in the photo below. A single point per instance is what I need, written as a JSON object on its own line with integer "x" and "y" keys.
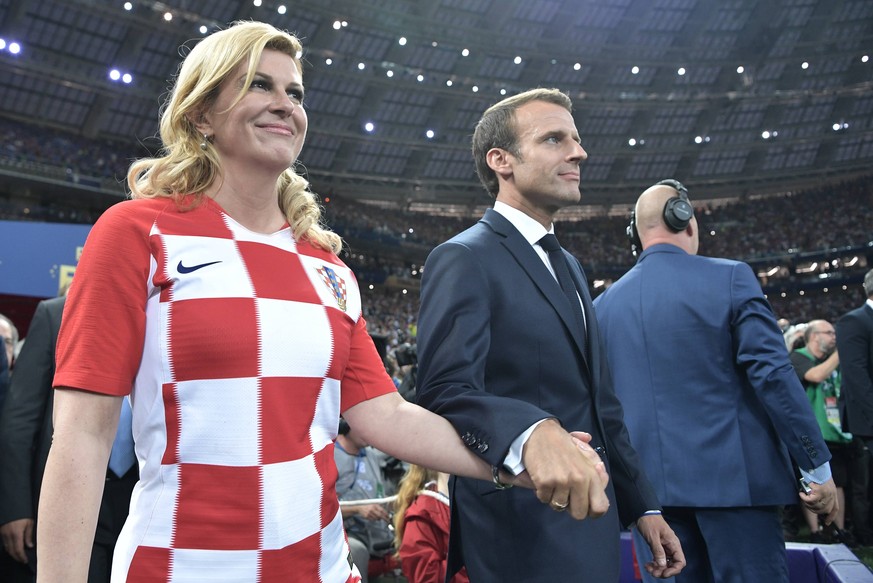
{"x": 496, "y": 129}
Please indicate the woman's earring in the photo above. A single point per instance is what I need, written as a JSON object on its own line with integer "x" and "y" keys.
{"x": 205, "y": 142}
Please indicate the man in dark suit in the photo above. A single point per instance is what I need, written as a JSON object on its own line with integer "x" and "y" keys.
{"x": 22, "y": 442}
{"x": 25, "y": 438}
{"x": 711, "y": 400}
{"x": 855, "y": 345}
{"x": 8, "y": 340}
{"x": 512, "y": 359}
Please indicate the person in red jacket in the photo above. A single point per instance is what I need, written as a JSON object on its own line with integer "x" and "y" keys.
{"x": 421, "y": 526}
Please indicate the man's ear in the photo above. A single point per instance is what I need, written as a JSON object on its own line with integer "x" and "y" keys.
{"x": 500, "y": 161}
{"x": 691, "y": 228}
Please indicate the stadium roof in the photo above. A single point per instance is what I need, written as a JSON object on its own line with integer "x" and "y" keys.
{"x": 730, "y": 96}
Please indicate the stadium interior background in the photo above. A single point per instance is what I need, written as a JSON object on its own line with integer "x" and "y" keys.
{"x": 763, "y": 108}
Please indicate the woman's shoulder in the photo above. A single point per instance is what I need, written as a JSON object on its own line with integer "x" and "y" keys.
{"x": 428, "y": 503}
{"x": 135, "y": 209}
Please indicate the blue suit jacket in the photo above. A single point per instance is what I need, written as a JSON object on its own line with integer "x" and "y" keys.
{"x": 711, "y": 400}
{"x": 498, "y": 351}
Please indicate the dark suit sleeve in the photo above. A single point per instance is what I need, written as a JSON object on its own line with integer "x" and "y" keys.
{"x": 762, "y": 355}
{"x": 454, "y": 339}
{"x": 23, "y": 417}
{"x": 855, "y": 346}
{"x": 633, "y": 491}
{"x": 4, "y": 374}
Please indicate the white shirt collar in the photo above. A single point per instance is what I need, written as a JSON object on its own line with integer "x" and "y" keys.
{"x": 870, "y": 303}
{"x": 529, "y": 227}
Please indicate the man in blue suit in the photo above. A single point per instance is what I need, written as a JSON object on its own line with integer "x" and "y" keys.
{"x": 711, "y": 400}
{"x": 512, "y": 359}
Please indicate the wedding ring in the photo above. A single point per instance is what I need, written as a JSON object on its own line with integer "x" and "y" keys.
{"x": 558, "y": 507}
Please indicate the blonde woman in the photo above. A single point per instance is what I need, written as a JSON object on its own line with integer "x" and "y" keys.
{"x": 215, "y": 300}
{"x": 421, "y": 526}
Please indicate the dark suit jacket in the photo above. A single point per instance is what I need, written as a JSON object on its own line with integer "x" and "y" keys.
{"x": 855, "y": 345}
{"x": 498, "y": 350}
{"x": 26, "y": 435}
{"x": 711, "y": 400}
{"x": 25, "y": 424}
{"x": 4, "y": 376}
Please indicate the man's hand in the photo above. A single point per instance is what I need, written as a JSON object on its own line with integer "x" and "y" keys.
{"x": 822, "y": 500}
{"x": 582, "y": 439}
{"x": 17, "y": 535}
{"x": 373, "y": 512}
{"x": 667, "y": 555}
{"x": 565, "y": 471}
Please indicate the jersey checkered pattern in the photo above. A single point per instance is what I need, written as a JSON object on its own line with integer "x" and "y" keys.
{"x": 241, "y": 350}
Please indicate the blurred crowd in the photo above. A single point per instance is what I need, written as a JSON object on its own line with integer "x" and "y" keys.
{"x": 22, "y": 143}
{"x": 386, "y": 246}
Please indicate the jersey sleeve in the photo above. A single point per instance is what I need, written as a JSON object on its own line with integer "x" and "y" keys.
{"x": 101, "y": 337}
{"x": 365, "y": 375}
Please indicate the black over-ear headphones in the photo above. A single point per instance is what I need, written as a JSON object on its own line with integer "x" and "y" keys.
{"x": 678, "y": 212}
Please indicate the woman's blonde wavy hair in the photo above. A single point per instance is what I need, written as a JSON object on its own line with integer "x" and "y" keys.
{"x": 412, "y": 482}
{"x": 185, "y": 171}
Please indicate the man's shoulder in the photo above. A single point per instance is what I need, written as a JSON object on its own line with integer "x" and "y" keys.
{"x": 475, "y": 237}
{"x": 719, "y": 261}
{"x": 863, "y": 314}
{"x": 667, "y": 261}
{"x": 676, "y": 262}
{"x": 602, "y": 301}
{"x": 861, "y": 311}
{"x": 715, "y": 268}
{"x": 471, "y": 234}
{"x": 54, "y": 304}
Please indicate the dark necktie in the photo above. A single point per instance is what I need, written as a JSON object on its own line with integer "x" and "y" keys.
{"x": 562, "y": 271}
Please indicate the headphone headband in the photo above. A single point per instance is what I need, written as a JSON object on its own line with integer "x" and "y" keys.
{"x": 675, "y": 185}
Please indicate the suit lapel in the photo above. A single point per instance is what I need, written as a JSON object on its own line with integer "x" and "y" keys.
{"x": 533, "y": 266}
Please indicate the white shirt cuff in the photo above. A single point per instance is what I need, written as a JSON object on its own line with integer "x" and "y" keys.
{"x": 819, "y": 475}
{"x": 512, "y": 463}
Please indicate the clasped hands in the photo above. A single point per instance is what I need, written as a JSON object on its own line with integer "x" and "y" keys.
{"x": 569, "y": 475}
{"x": 565, "y": 471}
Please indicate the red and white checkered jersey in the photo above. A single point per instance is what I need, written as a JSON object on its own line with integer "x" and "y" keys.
{"x": 239, "y": 351}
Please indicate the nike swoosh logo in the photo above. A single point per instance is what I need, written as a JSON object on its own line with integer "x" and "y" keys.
{"x": 184, "y": 269}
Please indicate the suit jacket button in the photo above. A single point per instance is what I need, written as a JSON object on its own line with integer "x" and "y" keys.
{"x": 483, "y": 447}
